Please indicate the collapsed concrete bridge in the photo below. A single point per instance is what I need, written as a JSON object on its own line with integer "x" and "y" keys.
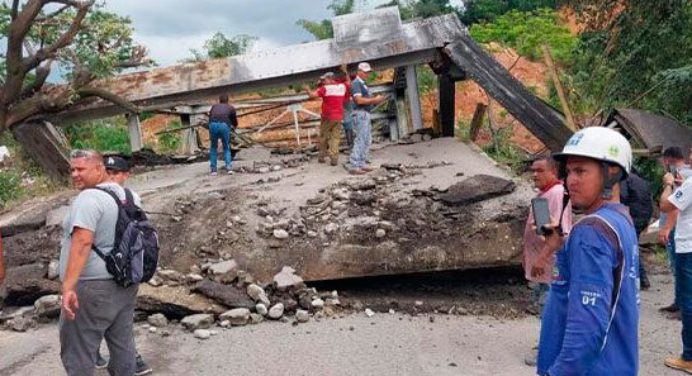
{"x": 378, "y": 36}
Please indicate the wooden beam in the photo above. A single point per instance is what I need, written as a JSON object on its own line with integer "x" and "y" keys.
{"x": 569, "y": 116}
{"x": 447, "y": 93}
{"x": 477, "y": 121}
{"x": 541, "y": 120}
{"x": 46, "y": 146}
{"x": 413, "y": 96}
{"x": 135, "y": 131}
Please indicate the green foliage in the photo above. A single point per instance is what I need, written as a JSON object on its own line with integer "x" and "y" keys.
{"x": 638, "y": 54}
{"x": 103, "y": 135}
{"x": 427, "y": 79}
{"x": 170, "y": 142}
{"x": 420, "y": 8}
{"x": 526, "y": 32}
{"x": 10, "y": 186}
{"x": 504, "y": 152}
{"x": 219, "y": 45}
{"x": 323, "y": 29}
{"x": 483, "y": 11}
{"x": 652, "y": 171}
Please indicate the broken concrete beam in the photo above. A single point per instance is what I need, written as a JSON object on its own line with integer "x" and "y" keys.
{"x": 174, "y": 302}
{"x": 228, "y": 295}
{"x": 25, "y": 284}
{"x": 477, "y": 188}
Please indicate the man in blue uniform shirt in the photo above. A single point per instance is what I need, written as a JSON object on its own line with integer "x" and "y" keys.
{"x": 591, "y": 318}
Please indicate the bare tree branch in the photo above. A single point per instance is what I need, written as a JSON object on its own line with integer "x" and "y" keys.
{"x": 54, "y": 14}
{"x": 110, "y": 97}
{"x": 42, "y": 73}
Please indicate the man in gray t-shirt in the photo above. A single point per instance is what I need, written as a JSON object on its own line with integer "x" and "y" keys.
{"x": 94, "y": 307}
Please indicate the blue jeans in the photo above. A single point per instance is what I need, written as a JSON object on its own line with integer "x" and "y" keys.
{"x": 219, "y": 130}
{"x": 361, "y": 145}
{"x": 683, "y": 294}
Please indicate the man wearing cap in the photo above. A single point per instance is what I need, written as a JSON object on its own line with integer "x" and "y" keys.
{"x": 591, "y": 317}
{"x": 363, "y": 103}
{"x": 334, "y": 95}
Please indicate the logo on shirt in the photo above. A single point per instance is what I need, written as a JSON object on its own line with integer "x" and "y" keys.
{"x": 678, "y": 195}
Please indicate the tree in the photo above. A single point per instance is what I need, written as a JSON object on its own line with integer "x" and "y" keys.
{"x": 323, "y": 29}
{"x": 219, "y": 46}
{"x": 635, "y": 53}
{"x": 78, "y": 38}
{"x": 476, "y": 11}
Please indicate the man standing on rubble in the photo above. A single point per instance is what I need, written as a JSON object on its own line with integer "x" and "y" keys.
{"x": 334, "y": 94}
{"x": 363, "y": 103}
{"x": 94, "y": 307}
{"x": 538, "y": 267}
{"x": 590, "y": 323}
{"x": 222, "y": 119}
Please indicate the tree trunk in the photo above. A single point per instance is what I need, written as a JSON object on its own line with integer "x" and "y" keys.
{"x": 46, "y": 146}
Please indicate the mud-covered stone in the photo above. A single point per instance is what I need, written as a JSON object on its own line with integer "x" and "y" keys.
{"x": 228, "y": 295}
{"x": 477, "y": 188}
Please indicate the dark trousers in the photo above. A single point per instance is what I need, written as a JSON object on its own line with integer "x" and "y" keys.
{"x": 683, "y": 293}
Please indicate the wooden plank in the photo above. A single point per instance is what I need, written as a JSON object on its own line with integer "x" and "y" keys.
{"x": 548, "y": 57}
{"x": 413, "y": 96}
{"x": 477, "y": 121}
{"x": 135, "y": 131}
{"x": 541, "y": 120}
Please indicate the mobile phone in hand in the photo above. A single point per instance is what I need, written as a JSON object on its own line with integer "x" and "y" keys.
{"x": 541, "y": 215}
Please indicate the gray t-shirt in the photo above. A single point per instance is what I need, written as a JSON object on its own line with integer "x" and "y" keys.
{"x": 95, "y": 211}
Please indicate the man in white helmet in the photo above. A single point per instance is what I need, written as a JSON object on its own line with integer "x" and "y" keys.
{"x": 591, "y": 318}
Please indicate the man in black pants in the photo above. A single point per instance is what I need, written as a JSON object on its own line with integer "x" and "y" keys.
{"x": 636, "y": 195}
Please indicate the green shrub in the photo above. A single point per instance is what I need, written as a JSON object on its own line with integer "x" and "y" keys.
{"x": 104, "y": 135}
{"x": 10, "y": 186}
{"x": 170, "y": 142}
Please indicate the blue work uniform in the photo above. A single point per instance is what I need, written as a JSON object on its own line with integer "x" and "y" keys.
{"x": 590, "y": 322}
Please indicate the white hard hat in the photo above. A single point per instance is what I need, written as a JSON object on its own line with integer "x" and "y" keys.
{"x": 602, "y": 144}
{"x": 365, "y": 67}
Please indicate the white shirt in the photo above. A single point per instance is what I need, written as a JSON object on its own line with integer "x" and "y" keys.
{"x": 682, "y": 200}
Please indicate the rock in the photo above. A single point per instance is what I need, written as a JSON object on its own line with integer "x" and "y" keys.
{"x": 341, "y": 194}
{"x": 280, "y": 233}
{"x": 369, "y": 312}
{"x": 202, "y": 334}
{"x": 277, "y": 168}
{"x": 223, "y": 268}
{"x": 427, "y": 137}
{"x": 48, "y": 306}
{"x": 225, "y": 324}
{"x": 9, "y": 313}
{"x": 416, "y": 137}
{"x": 155, "y": 281}
{"x": 287, "y": 279}
{"x": 174, "y": 302}
{"x": 198, "y": 321}
{"x": 302, "y": 316}
{"x": 24, "y": 284}
{"x": 312, "y": 234}
{"x": 364, "y": 198}
{"x": 237, "y": 316}
{"x": 193, "y": 277}
{"x": 386, "y": 225}
{"x": 261, "y": 309}
{"x": 320, "y": 198}
{"x": 256, "y": 318}
{"x": 318, "y": 303}
{"x": 380, "y": 233}
{"x": 257, "y": 294}
{"x": 331, "y": 228}
{"x": 153, "y": 329}
{"x": 157, "y": 320}
{"x": 477, "y": 188}
{"x": 171, "y": 275}
{"x": 264, "y": 170}
{"x": 22, "y": 323}
{"x": 228, "y": 295}
{"x": 53, "y": 271}
{"x": 363, "y": 185}
{"x": 276, "y": 311}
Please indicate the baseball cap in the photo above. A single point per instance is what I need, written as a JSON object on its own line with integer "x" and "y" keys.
{"x": 114, "y": 163}
{"x": 327, "y": 75}
{"x": 365, "y": 67}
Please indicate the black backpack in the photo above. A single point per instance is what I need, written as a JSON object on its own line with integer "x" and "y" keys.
{"x": 135, "y": 253}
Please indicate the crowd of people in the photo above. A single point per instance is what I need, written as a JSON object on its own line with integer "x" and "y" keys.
{"x": 584, "y": 266}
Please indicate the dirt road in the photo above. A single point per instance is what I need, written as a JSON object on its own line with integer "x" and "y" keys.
{"x": 385, "y": 344}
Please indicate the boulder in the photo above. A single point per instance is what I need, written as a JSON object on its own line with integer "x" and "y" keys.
{"x": 477, "y": 188}
{"x": 157, "y": 320}
{"x": 237, "y": 316}
{"x": 198, "y": 321}
{"x": 257, "y": 294}
{"x": 24, "y": 284}
{"x": 261, "y": 309}
{"x": 48, "y": 306}
{"x": 228, "y": 295}
{"x": 287, "y": 279}
{"x": 276, "y": 311}
{"x": 202, "y": 334}
{"x": 174, "y": 302}
{"x": 53, "y": 270}
{"x": 302, "y": 316}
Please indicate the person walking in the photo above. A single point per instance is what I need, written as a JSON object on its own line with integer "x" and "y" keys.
{"x": 590, "y": 322}
{"x": 94, "y": 306}
{"x": 363, "y": 103}
{"x": 222, "y": 118}
{"x": 676, "y": 202}
{"x": 334, "y": 94}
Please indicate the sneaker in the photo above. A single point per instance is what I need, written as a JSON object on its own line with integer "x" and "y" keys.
{"x": 229, "y": 172}
{"x": 357, "y": 171}
{"x": 367, "y": 168}
{"x": 142, "y": 367}
{"x": 671, "y": 308}
{"x": 678, "y": 363}
{"x": 101, "y": 362}
{"x": 334, "y": 162}
{"x": 213, "y": 173}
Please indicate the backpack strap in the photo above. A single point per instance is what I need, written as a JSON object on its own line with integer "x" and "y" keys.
{"x": 118, "y": 230}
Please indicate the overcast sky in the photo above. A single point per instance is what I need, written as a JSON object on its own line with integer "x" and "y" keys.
{"x": 170, "y": 28}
